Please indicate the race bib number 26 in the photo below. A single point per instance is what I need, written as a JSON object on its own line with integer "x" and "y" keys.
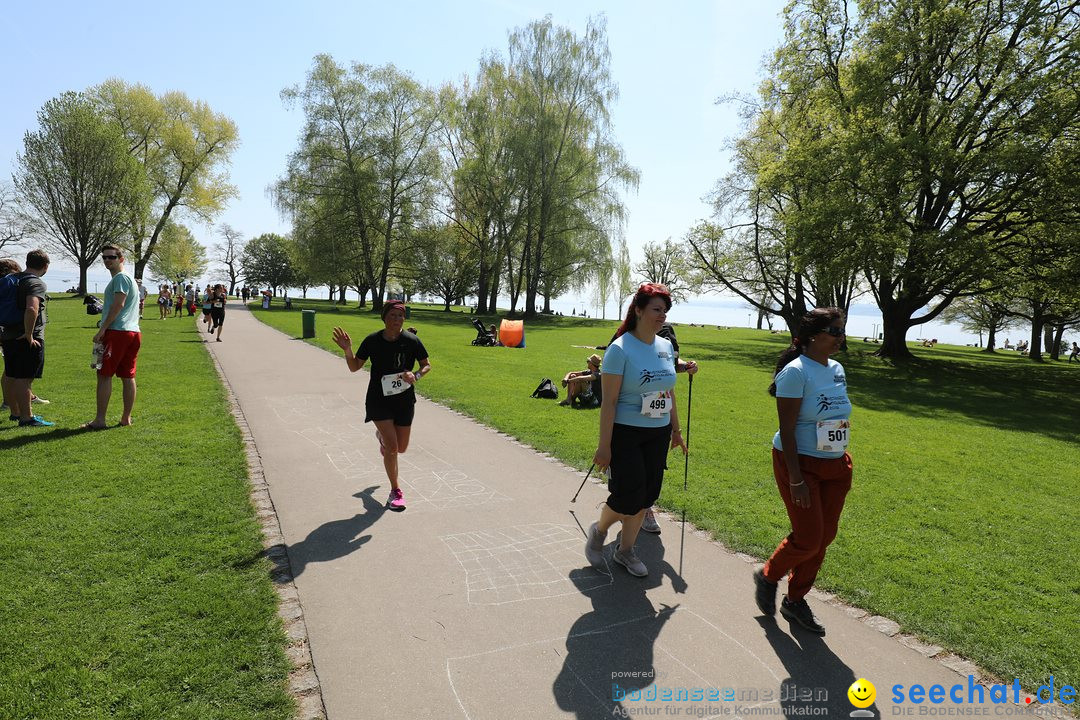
{"x": 393, "y": 384}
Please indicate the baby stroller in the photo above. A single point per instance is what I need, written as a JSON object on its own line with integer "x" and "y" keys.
{"x": 483, "y": 337}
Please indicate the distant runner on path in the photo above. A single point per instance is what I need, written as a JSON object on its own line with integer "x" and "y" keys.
{"x": 391, "y": 399}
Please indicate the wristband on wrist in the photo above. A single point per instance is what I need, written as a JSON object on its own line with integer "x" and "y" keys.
{"x": 801, "y": 482}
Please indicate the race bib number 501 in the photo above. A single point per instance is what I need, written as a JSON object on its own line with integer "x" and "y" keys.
{"x": 833, "y": 435}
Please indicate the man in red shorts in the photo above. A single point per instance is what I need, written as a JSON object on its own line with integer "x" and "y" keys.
{"x": 120, "y": 336}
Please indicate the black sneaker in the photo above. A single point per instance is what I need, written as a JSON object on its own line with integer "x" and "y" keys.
{"x": 764, "y": 593}
{"x": 800, "y": 612}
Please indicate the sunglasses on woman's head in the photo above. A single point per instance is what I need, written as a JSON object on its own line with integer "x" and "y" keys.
{"x": 835, "y": 331}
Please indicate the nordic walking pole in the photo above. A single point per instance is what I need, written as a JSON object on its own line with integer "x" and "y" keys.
{"x": 686, "y": 470}
{"x": 686, "y": 465}
{"x": 574, "y": 499}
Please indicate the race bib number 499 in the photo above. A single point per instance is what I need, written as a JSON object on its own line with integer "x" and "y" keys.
{"x": 833, "y": 435}
{"x": 393, "y": 384}
{"x": 656, "y": 404}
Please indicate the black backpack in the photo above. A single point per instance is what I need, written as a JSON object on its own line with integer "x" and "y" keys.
{"x": 546, "y": 389}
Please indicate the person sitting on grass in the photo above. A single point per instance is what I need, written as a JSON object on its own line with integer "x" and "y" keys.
{"x": 584, "y": 386}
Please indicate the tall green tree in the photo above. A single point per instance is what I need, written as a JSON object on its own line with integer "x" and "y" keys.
{"x": 445, "y": 265}
{"x": 938, "y": 120}
{"x": 367, "y": 157}
{"x": 179, "y": 256}
{"x": 76, "y": 183}
{"x": 184, "y": 149}
{"x": 268, "y": 260}
{"x": 568, "y": 162}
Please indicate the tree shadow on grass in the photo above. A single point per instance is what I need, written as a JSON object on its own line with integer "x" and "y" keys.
{"x": 996, "y": 392}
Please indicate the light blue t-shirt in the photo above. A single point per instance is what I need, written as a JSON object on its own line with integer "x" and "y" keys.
{"x": 128, "y": 318}
{"x": 823, "y": 389}
{"x": 644, "y": 369}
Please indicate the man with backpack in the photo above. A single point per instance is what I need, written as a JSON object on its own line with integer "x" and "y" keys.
{"x": 23, "y": 318}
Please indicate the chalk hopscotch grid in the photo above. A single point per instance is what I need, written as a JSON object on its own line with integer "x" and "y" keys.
{"x": 524, "y": 562}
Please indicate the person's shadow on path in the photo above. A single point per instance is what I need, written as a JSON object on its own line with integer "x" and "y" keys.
{"x": 812, "y": 666}
{"x": 613, "y": 643}
{"x": 336, "y": 538}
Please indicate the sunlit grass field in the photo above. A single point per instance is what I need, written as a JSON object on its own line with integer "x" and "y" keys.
{"x": 133, "y": 579}
{"x": 962, "y": 524}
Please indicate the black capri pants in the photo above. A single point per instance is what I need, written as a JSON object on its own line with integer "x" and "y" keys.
{"x": 638, "y": 459}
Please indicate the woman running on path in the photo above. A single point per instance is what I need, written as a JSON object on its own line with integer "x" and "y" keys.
{"x": 206, "y": 305}
{"x": 218, "y": 298}
{"x": 391, "y": 399}
{"x": 810, "y": 461}
{"x": 638, "y": 423}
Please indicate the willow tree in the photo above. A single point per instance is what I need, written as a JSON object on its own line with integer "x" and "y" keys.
{"x": 367, "y": 153}
{"x": 570, "y": 167}
{"x": 183, "y": 147}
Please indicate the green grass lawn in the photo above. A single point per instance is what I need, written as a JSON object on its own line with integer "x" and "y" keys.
{"x": 962, "y": 524}
{"x": 134, "y": 585}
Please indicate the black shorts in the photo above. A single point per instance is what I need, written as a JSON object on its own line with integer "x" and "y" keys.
{"x": 218, "y": 316}
{"x": 638, "y": 459}
{"x": 401, "y": 410}
{"x": 23, "y": 361}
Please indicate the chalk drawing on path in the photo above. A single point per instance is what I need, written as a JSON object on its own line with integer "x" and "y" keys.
{"x": 577, "y": 670}
{"x": 431, "y": 483}
{"x": 333, "y": 424}
{"x": 523, "y": 562}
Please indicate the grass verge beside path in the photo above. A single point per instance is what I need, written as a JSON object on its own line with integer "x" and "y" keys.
{"x": 962, "y": 524}
{"x": 134, "y": 585}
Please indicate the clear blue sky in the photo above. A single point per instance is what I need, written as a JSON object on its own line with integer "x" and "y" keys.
{"x": 671, "y": 62}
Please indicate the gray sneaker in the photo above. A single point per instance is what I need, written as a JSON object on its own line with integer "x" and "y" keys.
{"x": 649, "y": 524}
{"x": 630, "y": 561}
{"x": 594, "y": 547}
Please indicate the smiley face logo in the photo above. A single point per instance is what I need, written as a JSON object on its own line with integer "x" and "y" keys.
{"x": 862, "y": 693}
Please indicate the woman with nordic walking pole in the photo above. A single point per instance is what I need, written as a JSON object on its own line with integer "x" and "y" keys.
{"x": 638, "y": 424}
{"x": 810, "y": 461}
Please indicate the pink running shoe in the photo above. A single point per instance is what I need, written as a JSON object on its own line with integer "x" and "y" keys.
{"x": 396, "y": 500}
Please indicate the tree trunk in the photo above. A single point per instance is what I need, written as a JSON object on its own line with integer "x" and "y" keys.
{"x": 1048, "y": 340}
{"x": 1035, "y": 344}
{"x": 991, "y": 340}
{"x": 82, "y": 280}
{"x": 895, "y": 324}
{"x": 341, "y": 295}
{"x": 1059, "y": 332}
